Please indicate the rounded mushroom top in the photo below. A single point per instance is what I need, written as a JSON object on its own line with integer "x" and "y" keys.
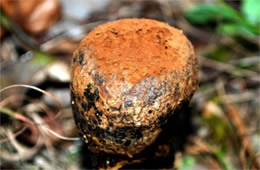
{"x": 137, "y": 48}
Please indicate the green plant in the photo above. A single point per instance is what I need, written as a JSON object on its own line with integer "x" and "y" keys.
{"x": 229, "y": 21}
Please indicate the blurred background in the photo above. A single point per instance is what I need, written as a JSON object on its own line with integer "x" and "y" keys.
{"x": 38, "y": 38}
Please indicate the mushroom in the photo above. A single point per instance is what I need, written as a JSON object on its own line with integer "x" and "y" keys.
{"x": 127, "y": 79}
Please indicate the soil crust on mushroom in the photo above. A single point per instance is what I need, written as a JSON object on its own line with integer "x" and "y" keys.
{"x": 125, "y": 45}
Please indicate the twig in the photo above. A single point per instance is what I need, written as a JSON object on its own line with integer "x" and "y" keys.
{"x": 24, "y": 152}
{"x": 15, "y": 115}
{"x": 24, "y": 39}
{"x": 48, "y": 131}
{"x": 71, "y": 33}
{"x": 60, "y": 136}
{"x": 246, "y": 151}
{"x": 40, "y": 90}
{"x": 241, "y": 97}
{"x": 224, "y": 67}
{"x": 19, "y": 132}
{"x": 47, "y": 142}
{"x": 199, "y": 146}
{"x": 12, "y": 98}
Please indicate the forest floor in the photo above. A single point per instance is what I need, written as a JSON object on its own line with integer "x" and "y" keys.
{"x": 37, "y": 127}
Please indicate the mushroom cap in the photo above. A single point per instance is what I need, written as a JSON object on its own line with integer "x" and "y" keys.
{"x": 128, "y": 78}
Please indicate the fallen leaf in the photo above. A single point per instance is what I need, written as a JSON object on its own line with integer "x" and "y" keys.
{"x": 33, "y": 16}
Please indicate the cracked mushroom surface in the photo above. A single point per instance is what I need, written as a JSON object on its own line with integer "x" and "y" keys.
{"x": 128, "y": 77}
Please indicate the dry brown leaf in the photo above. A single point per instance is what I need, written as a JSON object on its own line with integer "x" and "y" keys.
{"x": 33, "y": 16}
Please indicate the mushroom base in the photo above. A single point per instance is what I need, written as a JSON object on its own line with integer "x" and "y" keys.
{"x": 159, "y": 155}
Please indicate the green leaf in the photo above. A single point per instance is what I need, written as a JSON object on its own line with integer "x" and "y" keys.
{"x": 232, "y": 22}
{"x": 221, "y": 155}
{"x": 203, "y": 13}
{"x": 4, "y": 21}
{"x": 222, "y": 53}
{"x": 187, "y": 162}
{"x": 29, "y": 166}
{"x": 251, "y": 10}
{"x": 229, "y": 13}
{"x": 40, "y": 58}
{"x": 234, "y": 29}
{"x": 218, "y": 127}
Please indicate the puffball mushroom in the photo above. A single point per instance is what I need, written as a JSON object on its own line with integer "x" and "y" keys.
{"x": 128, "y": 78}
